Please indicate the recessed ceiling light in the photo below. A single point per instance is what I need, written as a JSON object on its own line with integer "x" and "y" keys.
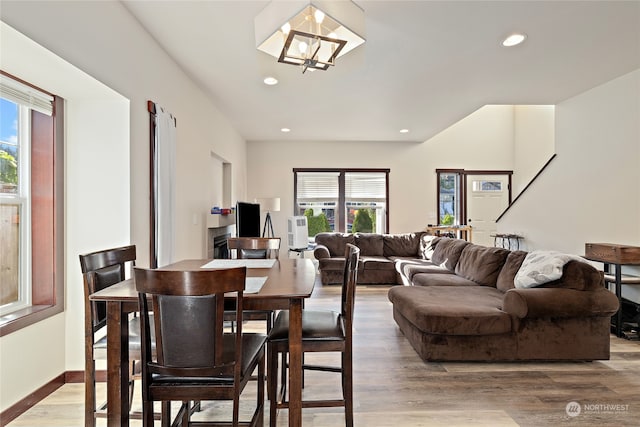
{"x": 270, "y": 81}
{"x": 404, "y": 130}
{"x": 514, "y": 39}
{"x": 285, "y": 130}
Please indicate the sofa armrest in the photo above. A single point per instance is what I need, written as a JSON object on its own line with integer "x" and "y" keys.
{"x": 321, "y": 251}
{"x": 559, "y": 302}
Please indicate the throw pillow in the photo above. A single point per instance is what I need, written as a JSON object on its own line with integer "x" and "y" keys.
{"x": 427, "y": 245}
{"x": 540, "y": 267}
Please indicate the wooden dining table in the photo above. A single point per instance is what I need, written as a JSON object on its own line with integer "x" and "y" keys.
{"x": 288, "y": 283}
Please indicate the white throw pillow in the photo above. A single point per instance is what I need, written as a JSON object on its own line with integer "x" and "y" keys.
{"x": 540, "y": 267}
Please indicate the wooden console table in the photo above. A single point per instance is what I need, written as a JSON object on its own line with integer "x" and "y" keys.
{"x": 438, "y": 230}
{"x": 616, "y": 255}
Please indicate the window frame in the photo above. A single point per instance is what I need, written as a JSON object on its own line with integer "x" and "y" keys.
{"x": 341, "y": 202}
{"x": 47, "y": 219}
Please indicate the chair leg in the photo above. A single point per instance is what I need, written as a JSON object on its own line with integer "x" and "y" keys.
{"x": 269, "y": 326}
{"x": 186, "y": 413}
{"x": 166, "y": 414}
{"x": 132, "y": 383}
{"x": 260, "y": 399}
{"x": 347, "y": 387}
{"x": 283, "y": 376}
{"x": 147, "y": 414}
{"x": 272, "y": 386}
{"x": 89, "y": 393}
{"x": 236, "y": 407}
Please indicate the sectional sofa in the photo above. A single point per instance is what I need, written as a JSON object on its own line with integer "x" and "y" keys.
{"x": 465, "y": 302}
{"x": 378, "y": 255}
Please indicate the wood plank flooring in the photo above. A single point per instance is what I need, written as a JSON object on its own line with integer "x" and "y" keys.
{"x": 395, "y": 388}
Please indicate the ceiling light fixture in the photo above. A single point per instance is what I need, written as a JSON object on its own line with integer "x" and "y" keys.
{"x": 270, "y": 81}
{"x": 285, "y": 130}
{"x": 514, "y": 39}
{"x": 309, "y": 37}
{"x": 404, "y": 130}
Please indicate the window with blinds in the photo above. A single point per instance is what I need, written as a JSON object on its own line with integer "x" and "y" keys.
{"x": 25, "y": 95}
{"x": 318, "y": 186}
{"x": 345, "y": 200}
{"x": 30, "y": 192}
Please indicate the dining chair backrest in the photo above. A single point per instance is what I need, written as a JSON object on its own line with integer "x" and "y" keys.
{"x": 254, "y": 247}
{"x": 352, "y": 255}
{"x": 100, "y": 270}
{"x": 188, "y": 308}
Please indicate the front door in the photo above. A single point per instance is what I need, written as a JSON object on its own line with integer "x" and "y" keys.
{"x": 487, "y": 198}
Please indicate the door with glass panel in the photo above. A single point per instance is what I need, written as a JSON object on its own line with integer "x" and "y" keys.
{"x": 487, "y": 198}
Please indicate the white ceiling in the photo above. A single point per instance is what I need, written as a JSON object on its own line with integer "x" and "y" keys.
{"x": 424, "y": 66}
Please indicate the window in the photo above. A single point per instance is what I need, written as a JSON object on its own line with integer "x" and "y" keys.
{"x": 15, "y": 224}
{"x": 31, "y": 208}
{"x": 449, "y": 198}
{"x": 486, "y": 186}
{"x": 344, "y": 200}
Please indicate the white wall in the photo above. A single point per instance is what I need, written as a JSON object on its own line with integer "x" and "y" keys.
{"x": 483, "y": 140}
{"x": 590, "y": 192}
{"x": 105, "y": 41}
{"x": 533, "y": 141}
{"x": 106, "y": 44}
{"x": 96, "y": 179}
{"x": 96, "y": 192}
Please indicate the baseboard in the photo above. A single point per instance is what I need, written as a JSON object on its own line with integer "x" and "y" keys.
{"x": 23, "y": 405}
{"x": 71, "y": 377}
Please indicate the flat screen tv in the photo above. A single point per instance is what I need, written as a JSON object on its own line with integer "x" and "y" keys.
{"x": 247, "y": 219}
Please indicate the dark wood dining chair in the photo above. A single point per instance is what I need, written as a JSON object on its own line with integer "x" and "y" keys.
{"x": 100, "y": 270}
{"x": 254, "y": 247}
{"x": 260, "y": 248}
{"x": 322, "y": 331}
{"x": 195, "y": 359}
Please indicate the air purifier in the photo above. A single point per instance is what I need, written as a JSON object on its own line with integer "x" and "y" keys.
{"x": 297, "y": 232}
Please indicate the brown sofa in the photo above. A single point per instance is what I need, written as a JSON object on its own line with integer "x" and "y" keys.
{"x": 378, "y": 255}
{"x": 460, "y": 304}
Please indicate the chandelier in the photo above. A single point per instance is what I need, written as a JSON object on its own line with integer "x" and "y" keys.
{"x": 312, "y": 38}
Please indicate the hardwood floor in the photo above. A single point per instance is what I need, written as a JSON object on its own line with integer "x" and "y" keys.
{"x": 395, "y": 388}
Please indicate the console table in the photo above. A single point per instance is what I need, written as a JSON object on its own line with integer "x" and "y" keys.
{"x": 616, "y": 255}
{"x": 457, "y": 230}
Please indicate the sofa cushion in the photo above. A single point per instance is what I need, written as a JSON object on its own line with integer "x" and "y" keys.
{"x": 447, "y": 252}
{"x": 428, "y": 245}
{"x": 509, "y": 270}
{"x": 448, "y": 311}
{"x": 440, "y": 279}
{"x": 333, "y": 263}
{"x": 481, "y": 264}
{"x": 410, "y": 266}
{"x": 375, "y": 263}
{"x": 370, "y": 244}
{"x": 335, "y": 242}
{"x": 404, "y": 245}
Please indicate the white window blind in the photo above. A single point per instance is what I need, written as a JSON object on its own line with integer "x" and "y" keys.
{"x": 25, "y": 95}
{"x": 365, "y": 186}
{"x": 317, "y": 185}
